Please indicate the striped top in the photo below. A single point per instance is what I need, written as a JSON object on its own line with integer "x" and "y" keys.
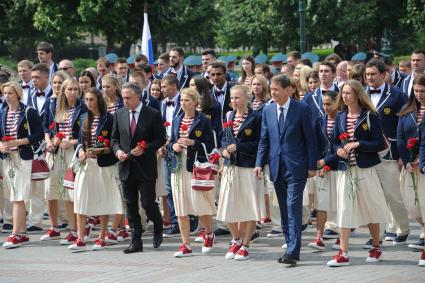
{"x": 112, "y": 109}
{"x": 256, "y": 104}
{"x": 93, "y": 130}
{"x": 65, "y": 127}
{"x": 330, "y": 127}
{"x": 420, "y": 114}
{"x": 237, "y": 122}
{"x": 351, "y": 125}
{"x": 12, "y": 125}
{"x": 186, "y": 123}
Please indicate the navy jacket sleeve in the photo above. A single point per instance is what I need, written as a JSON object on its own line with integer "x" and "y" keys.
{"x": 264, "y": 144}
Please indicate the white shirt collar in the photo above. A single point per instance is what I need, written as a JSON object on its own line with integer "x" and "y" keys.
{"x": 138, "y": 109}
{"x": 285, "y": 106}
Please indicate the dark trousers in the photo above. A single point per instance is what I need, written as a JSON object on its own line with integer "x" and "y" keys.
{"x": 132, "y": 188}
{"x": 289, "y": 192}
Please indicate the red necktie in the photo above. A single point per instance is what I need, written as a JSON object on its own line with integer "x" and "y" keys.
{"x": 133, "y": 123}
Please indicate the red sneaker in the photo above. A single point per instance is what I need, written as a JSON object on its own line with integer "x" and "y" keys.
{"x": 70, "y": 238}
{"x": 265, "y": 220}
{"x": 422, "y": 260}
{"x": 233, "y": 249}
{"x": 51, "y": 235}
{"x": 375, "y": 255}
{"x": 184, "y": 250}
{"x": 166, "y": 224}
{"x": 242, "y": 254}
{"x": 335, "y": 246}
{"x": 99, "y": 245}
{"x": 200, "y": 237}
{"x": 208, "y": 243}
{"x": 122, "y": 235}
{"x": 14, "y": 241}
{"x": 77, "y": 245}
{"x": 111, "y": 237}
{"x": 317, "y": 245}
{"x": 339, "y": 260}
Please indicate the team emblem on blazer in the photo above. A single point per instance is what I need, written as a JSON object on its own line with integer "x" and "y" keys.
{"x": 208, "y": 116}
{"x": 26, "y": 126}
{"x": 104, "y": 133}
{"x": 248, "y": 132}
{"x": 387, "y": 111}
{"x": 365, "y": 126}
{"x": 198, "y": 133}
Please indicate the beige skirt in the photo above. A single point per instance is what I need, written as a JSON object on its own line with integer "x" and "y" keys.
{"x": 96, "y": 190}
{"x": 241, "y": 196}
{"x": 17, "y": 177}
{"x": 325, "y": 195}
{"x": 415, "y": 210}
{"x": 160, "y": 186}
{"x": 58, "y": 163}
{"x": 363, "y": 203}
{"x": 186, "y": 200}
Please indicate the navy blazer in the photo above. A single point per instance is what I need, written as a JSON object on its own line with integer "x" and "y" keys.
{"x": 398, "y": 79}
{"x": 185, "y": 77}
{"x": 405, "y": 86}
{"x": 246, "y": 141}
{"x": 200, "y": 131}
{"x": 408, "y": 127}
{"x": 214, "y": 115}
{"x": 422, "y": 148}
{"x": 50, "y": 110}
{"x": 370, "y": 138}
{"x": 326, "y": 148}
{"x": 104, "y": 128}
{"x": 391, "y": 102}
{"x": 314, "y": 101}
{"x": 33, "y": 123}
{"x": 226, "y": 107}
{"x": 177, "y": 108}
{"x": 150, "y": 101}
{"x": 32, "y": 101}
{"x": 295, "y": 148}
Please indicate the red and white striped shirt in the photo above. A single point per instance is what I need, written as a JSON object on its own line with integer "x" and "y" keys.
{"x": 12, "y": 125}
{"x": 351, "y": 124}
{"x": 420, "y": 114}
{"x": 256, "y": 104}
{"x": 112, "y": 109}
{"x": 237, "y": 122}
{"x": 186, "y": 123}
{"x": 65, "y": 127}
{"x": 330, "y": 127}
{"x": 93, "y": 130}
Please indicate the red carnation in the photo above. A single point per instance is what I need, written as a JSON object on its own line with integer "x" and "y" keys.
{"x": 215, "y": 157}
{"x": 344, "y": 136}
{"x": 184, "y": 128}
{"x": 412, "y": 141}
{"x": 60, "y": 135}
{"x": 106, "y": 143}
{"x": 167, "y": 124}
{"x": 326, "y": 168}
{"x": 52, "y": 126}
{"x": 7, "y": 138}
{"x": 410, "y": 146}
{"x": 101, "y": 139}
{"x": 228, "y": 124}
{"x": 142, "y": 144}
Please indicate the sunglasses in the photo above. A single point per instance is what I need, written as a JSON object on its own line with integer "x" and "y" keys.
{"x": 64, "y": 68}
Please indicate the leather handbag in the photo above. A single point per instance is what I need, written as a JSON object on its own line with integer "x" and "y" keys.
{"x": 69, "y": 176}
{"x": 203, "y": 174}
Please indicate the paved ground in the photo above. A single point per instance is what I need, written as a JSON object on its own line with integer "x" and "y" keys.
{"x": 49, "y": 262}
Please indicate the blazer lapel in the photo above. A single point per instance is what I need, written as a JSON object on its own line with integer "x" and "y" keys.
{"x": 195, "y": 122}
{"x": 102, "y": 121}
{"x": 3, "y": 119}
{"x": 360, "y": 120}
{"x": 385, "y": 95}
{"x": 317, "y": 98}
{"x": 246, "y": 122}
{"x": 176, "y": 128}
{"x": 126, "y": 120}
{"x": 343, "y": 121}
{"x": 289, "y": 115}
{"x": 22, "y": 114}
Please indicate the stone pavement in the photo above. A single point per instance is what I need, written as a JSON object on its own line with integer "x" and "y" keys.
{"x": 50, "y": 262}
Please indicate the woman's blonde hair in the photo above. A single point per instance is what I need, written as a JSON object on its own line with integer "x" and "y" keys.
{"x": 64, "y": 75}
{"x": 363, "y": 99}
{"x": 193, "y": 94}
{"x": 62, "y": 103}
{"x": 265, "y": 94}
{"x": 16, "y": 87}
{"x": 304, "y": 73}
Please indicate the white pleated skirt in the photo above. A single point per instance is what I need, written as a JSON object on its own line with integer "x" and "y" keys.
{"x": 241, "y": 196}
{"x": 325, "y": 195}
{"x": 96, "y": 190}
{"x": 415, "y": 210}
{"x": 17, "y": 177}
{"x": 159, "y": 185}
{"x": 186, "y": 200}
{"x": 362, "y": 204}
{"x": 58, "y": 164}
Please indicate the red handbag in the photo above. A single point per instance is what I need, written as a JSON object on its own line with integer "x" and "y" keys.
{"x": 204, "y": 173}
{"x": 69, "y": 176}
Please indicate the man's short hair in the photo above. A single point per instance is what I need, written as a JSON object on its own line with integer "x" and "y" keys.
{"x": 295, "y": 54}
{"x": 171, "y": 80}
{"x": 219, "y": 65}
{"x": 306, "y": 62}
{"x": 135, "y": 88}
{"x": 335, "y": 57}
{"x": 281, "y": 79}
{"x": 209, "y": 52}
{"x": 419, "y": 51}
{"x": 179, "y": 50}
{"x": 405, "y": 64}
{"x": 121, "y": 61}
{"x": 45, "y": 46}
{"x": 165, "y": 57}
{"x": 42, "y": 68}
{"x": 138, "y": 74}
{"x": 26, "y": 64}
{"x": 330, "y": 65}
{"x": 103, "y": 60}
{"x": 143, "y": 68}
{"x": 142, "y": 58}
{"x": 378, "y": 63}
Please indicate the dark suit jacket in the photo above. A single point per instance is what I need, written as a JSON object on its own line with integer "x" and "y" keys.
{"x": 408, "y": 127}
{"x": 226, "y": 106}
{"x": 185, "y": 77}
{"x": 150, "y": 129}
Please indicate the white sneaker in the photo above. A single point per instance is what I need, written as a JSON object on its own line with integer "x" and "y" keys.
{"x": 242, "y": 254}
{"x": 78, "y": 246}
{"x": 284, "y": 246}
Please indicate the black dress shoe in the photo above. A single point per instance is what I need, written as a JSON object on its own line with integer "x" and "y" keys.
{"x": 288, "y": 260}
{"x": 157, "y": 240}
{"x": 134, "y": 248}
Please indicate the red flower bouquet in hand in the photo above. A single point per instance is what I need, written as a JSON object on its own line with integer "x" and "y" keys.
{"x": 326, "y": 168}
{"x": 60, "y": 135}
{"x": 344, "y": 137}
{"x": 101, "y": 142}
{"x": 184, "y": 128}
{"x": 228, "y": 124}
{"x": 7, "y": 138}
{"x": 413, "y": 150}
{"x": 142, "y": 144}
{"x": 52, "y": 126}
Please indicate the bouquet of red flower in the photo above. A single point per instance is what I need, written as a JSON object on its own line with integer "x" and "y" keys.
{"x": 326, "y": 168}
{"x": 228, "y": 131}
{"x": 142, "y": 144}
{"x": 354, "y": 182}
{"x": 101, "y": 142}
{"x": 7, "y": 138}
{"x": 60, "y": 135}
{"x": 184, "y": 128}
{"x": 413, "y": 150}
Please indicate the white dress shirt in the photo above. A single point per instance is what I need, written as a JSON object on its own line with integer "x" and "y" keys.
{"x": 137, "y": 113}
{"x": 375, "y": 97}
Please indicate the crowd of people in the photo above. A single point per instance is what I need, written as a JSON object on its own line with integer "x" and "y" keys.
{"x": 338, "y": 142}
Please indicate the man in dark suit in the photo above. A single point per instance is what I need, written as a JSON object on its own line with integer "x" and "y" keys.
{"x": 177, "y": 68}
{"x": 135, "y": 124}
{"x": 221, "y": 88}
{"x": 139, "y": 78}
{"x": 45, "y": 55}
{"x": 288, "y": 141}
